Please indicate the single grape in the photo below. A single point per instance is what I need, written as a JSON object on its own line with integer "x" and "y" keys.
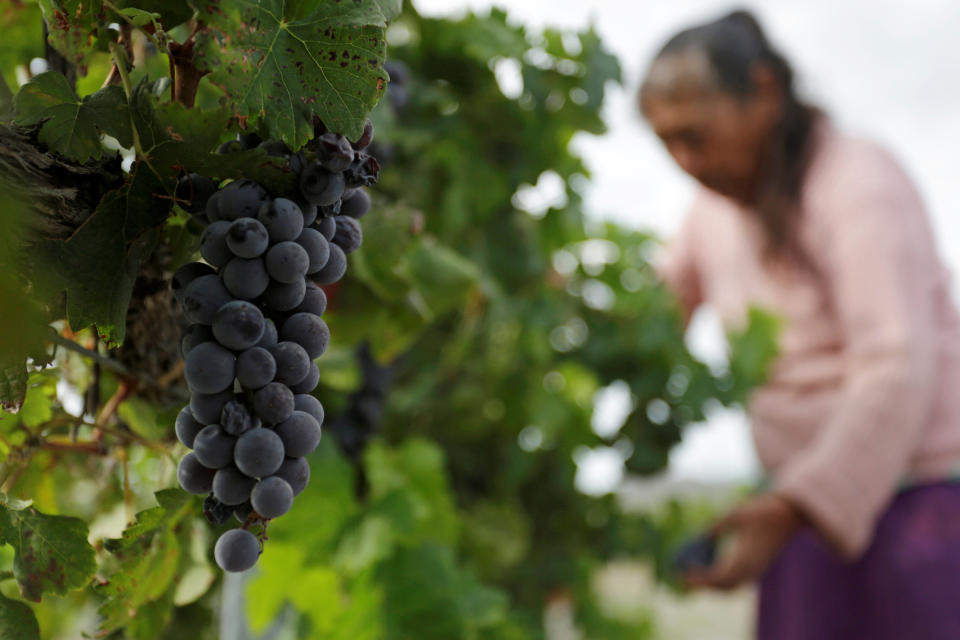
{"x": 269, "y": 334}
{"x": 349, "y": 235}
{"x": 231, "y": 486}
{"x": 296, "y": 471}
{"x": 238, "y": 325}
{"x": 187, "y": 274}
{"x": 247, "y": 238}
{"x": 241, "y": 199}
{"x": 319, "y": 186}
{"x": 209, "y": 368}
{"x": 293, "y": 362}
{"x": 282, "y": 218}
{"x": 334, "y": 151}
{"x": 213, "y": 243}
{"x": 235, "y": 418}
{"x": 357, "y": 205}
{"x": 314, "y": 300}
{"x": 259, "y": 452}
{"x": 334, "y": 269}
{"x": 327, "y": 227}
{"x": 309, "y": 213}
{"x": 284, "y": 296}
{"x": 193, "y": 191}
{"x": 307, "y": 330}
{"x": 186, "y": 427}
{"x": 273, "y": 403}
{"x": 317, "y": 248}
{"x": 206, "y": 407}
{"x": 214, "y": 447}
{"x": 272, "y": 497}
{"x": 367, "y": 136}
{"x": 192, "y": 336}
{"x": 246, "y": 279}
{"x": 255, "y": 368}
{"x": 194, "y": 477}
{"x": 236, "y": 550}
{"x": 287, "y": 262}
{"x": 203, "y": 297}
{"x": 309, "y": 383}
{"x": 212, "y": 210}
{"x": 297, "y": 161}
{"x": 300, "y": 434}
{"x": 309, "y": 404}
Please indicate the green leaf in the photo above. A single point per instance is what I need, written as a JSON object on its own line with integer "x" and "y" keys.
{"x": 52, "y": 552}
{"x": 75, "y": 28}
{"x": 71, "y": 126}
{"x": 442, "y": 277}
{"x": 121, "y": 233}
{"x": 149, "y": 555}
{"x": 17, "y": 620}
{"x": 38, "y": 404}
{"x": 13, "y": 386}
{"x": 283, "y": 62}
{"x": 315, "y": 592}
{"x": 426, "y": 584}
{"x": 139, "y": 17}
{"x": 6, "y": 101}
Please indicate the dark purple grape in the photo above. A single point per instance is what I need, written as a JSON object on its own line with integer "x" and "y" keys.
{"x": 259, "y": 452}
{"x": 327, "y": 227}
{"x": 284, "y": 296}
{"x": 309, "y": 404}
{"x": 186, "y": 274}
{"x": 273, "y": 403}
{"x": 269, "y": 334}
{"x": 357, "y": 205}
{"x": 300, "y": 434}
{"x": 334, "y": 151}
{"x": 366, "y": 137}
{"x": 296, "y": 471}
{"x": 215, "y": 511}
{"x": 193, "y": 476}
{"x": 214, "y": 447}
{"x": 202, "y": 297}
{"x": 209, "y": 368}
{"x": 246, "y": 279}
{"x": 317, "y": 248}
{"x": 232, "y": 487}
{"x": 193, "y": 191}
{"x": 314, "y": 300}
{"x": 319, "y": 186}
{"x": 255, "y": 368}
{"x": 236, "y": 550}
{"x": 187, "y": 427}
{"x": 363, "y": 171}
{"x": 288, "y": 261}
{"x": 282, "y": 218}
{"x": 349, "y": 234}
{"x": 194, "y": 335}
{"x": 309, "y": 383}
{"x": 206, "y": 407}
{"x": 307, "y": 330}
{"x": 247, "y": 238}
{"x": 213, "y": 243}
{"x": 241, "y": 199}
{"x": 236, "y": 419}
{"x": 334, "y": 269}
{"x": 293, "y": 362}
{"x": 272, "y": 497}
{"x": 238, "y": 325}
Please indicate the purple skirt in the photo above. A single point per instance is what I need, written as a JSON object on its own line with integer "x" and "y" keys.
{"x": 905, "y": 587}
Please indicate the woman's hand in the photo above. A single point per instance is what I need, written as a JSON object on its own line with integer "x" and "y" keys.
{"x": 761, "y": 528}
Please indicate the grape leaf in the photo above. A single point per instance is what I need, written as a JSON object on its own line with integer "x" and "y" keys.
{"x": 283, "y": 62}
{"x": 13, "y": 385}
{"x": 17, "y": 620}
{"x": 75, "y": 28}
{"x": 121, "y": 232}
{"x": 52, "y": 554}
{"x": 71, "y": 126}
{"x": 170, "y": 12}
{"x": 149, "y": 554}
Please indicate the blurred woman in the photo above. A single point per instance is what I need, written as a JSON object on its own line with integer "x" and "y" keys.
{"x": 859, "y": 422}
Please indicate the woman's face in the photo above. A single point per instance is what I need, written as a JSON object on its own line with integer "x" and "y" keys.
{"x": 714, "y": 136}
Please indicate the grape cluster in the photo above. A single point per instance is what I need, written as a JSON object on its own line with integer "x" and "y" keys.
{"x": 254, "y": 310}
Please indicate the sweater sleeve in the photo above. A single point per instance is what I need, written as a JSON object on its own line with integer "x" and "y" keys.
{"x": 878, "y": 262}
{"x": 677, "y": 266}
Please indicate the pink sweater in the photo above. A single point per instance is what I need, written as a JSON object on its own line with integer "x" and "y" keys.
{"x": 866, "y": 391}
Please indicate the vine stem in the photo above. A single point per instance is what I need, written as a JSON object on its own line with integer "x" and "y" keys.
{"x": 120, "y": 60}
{"x": 102, "y": 360}
{"x": 152, "y": 38}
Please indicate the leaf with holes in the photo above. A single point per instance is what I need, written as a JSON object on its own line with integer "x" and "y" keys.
{"x": 284, "y": 62}
{"x": 75, "y": 28}
{"x": 71, "y": 126}
{"x": 148, "y": 556}
{"x": 52, "y": 554}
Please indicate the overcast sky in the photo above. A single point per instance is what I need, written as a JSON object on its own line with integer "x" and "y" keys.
{"x": 889, "y": 70}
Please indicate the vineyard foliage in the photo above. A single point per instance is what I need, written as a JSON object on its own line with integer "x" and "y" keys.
{"x": 470, "y": 337}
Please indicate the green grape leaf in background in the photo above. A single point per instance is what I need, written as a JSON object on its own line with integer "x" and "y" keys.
{"x": 52, "y": 552}
{"x": 17, "y": 620}
{"x": 148, "y": 555}
{"x": 72, "y": 126}
{"x": 283, "y": 62}
{"x": 76, "y": 27}
{"x": 121, "y": 233}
